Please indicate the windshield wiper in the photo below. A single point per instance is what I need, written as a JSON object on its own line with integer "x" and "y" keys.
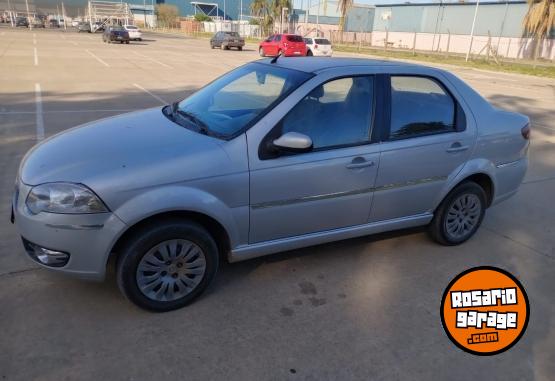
{"x": 192, "y": 118}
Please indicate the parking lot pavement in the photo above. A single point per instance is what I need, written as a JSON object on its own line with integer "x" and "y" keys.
{"x": 365, "y": 308}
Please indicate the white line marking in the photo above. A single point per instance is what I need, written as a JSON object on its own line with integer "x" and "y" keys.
{"x": 74, "y": 43}
{"x": 90, "y": 38}
{"x": 153, "y": 95}
{"x": 63, "y": 37}
{"x": 153, "y": 60}
{"x": 34, "y": 35}
{"x": 36, "y": 57}
{"x": 39, "y": 118}
{"x": 97, "y": 58}
{"x": 67, "y": 111}
{"x": 34, "y": 41}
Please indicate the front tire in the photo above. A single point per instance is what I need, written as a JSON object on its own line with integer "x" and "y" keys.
{"x": 166, "y": 265}
{"x": 309, "y": 53}
{"x": 261, "y": 52}
{"x": 459, "y": 215}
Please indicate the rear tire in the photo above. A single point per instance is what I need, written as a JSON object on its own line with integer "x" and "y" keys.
{"x": 177, "y": 254}
{"x": 459, "y": 215}
{"x": 239, "y": 48}
{"x": 127, "y": 42}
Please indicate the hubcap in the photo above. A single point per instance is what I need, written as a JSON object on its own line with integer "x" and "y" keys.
{"x": 171, "y": 270}
{"x": 463, "y": 215}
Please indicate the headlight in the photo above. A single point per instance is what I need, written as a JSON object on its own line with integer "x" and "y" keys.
{"x": 64, "y": 198}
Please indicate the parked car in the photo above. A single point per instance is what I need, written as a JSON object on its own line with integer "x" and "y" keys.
{"x": 285, "y": 44}
{"x": 74, "y": 23}
{"x": 84, "y": 26}
{"x": 134, "y": 32}
{"x": 318, "y": 47}
{"x": 226, "y": 40}
{"x": 98, "y": 27}
{"x": 115, "y": 33}
{"x": 53, "y": 23}
{"x": 272, "y": 156}
{"x": 38, "y": 24}
{"x": 22, "y": 21}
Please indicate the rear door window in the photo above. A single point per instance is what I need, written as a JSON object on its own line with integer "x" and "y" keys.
{"x": 420, "y": 106}
{"x": 322, "y": 41}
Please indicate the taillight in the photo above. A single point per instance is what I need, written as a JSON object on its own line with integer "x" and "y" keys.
{"x": 526, "y": 131}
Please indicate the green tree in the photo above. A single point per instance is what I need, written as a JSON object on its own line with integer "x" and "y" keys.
{"x": 539, "y": 21}
{"x": 343, "y": 7}
{"x": 261, "y": 10}
{"x": 277, "y": 8}
{"x": 200, "y": 17}
{"x": 166, "y": 15}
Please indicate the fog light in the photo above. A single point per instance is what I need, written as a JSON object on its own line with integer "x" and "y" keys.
{"x": 47, "y": 257}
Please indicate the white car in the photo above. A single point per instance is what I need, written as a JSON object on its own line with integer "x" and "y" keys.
{"x": 134, "y": 32}
{"x": 318, "y": 47}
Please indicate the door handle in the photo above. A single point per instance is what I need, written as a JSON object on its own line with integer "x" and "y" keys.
{"x": 456, "y": 147}
{"x": 356, "y": 164}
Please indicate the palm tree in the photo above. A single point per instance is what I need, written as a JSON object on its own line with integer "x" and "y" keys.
{"x": 343, "y": 7}
{"x": 539, "y": 21}
{"x": 259, "y": 9}
{"x": 277, "y": 8}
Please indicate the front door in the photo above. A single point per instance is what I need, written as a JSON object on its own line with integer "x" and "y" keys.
{"x": 428, "y": 142}
{"x": 329, "y": 187}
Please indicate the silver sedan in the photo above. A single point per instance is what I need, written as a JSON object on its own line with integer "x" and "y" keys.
{"x": 272, "y": 156}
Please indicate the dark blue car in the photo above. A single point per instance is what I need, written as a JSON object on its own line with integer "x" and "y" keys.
{"x": 115, "y": 33}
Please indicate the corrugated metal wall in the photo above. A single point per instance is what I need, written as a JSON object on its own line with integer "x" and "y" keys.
{"x": 503, "y": 19}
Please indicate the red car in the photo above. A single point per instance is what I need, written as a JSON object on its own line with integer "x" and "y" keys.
{"x": 287, "y": 44}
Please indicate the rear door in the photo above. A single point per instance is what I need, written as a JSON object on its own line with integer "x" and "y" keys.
{"x": 429, "y": 139}
{"x": 266, "y": 44}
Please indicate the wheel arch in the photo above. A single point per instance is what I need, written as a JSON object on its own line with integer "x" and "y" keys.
{"x": 213, "y": 226}
{"x": 483, "y": 179}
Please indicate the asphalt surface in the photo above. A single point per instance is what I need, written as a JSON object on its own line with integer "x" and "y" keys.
{"x": 365, "y": 308}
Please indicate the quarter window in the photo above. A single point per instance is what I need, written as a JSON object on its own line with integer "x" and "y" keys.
{"x": 420, "y": 106}
{"x": 337, "y": 113}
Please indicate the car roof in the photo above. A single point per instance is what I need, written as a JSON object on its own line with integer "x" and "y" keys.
{"x": 315, "y": 64}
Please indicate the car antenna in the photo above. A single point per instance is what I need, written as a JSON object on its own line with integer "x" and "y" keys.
{"x": 274, "y": 60}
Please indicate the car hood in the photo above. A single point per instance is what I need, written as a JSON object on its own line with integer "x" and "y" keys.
{"x": 124, "y": 152}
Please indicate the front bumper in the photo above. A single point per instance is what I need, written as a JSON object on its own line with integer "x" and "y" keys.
{"x": 86, "y": 238}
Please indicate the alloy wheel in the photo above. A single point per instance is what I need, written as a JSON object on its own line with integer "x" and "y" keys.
{"x": 463, "y": 215}
{"x": 171, "y": 270}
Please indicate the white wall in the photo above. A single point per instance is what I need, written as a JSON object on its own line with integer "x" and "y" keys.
{"x": 505, "y": 46}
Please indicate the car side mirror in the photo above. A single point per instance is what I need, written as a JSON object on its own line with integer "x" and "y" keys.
{"x": 293, "y": 142}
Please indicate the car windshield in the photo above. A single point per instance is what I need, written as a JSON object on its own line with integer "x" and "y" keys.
{"x": 232, "y": 34}
{"x": 117, "y": 28}
{"x": 131, "y": 27}
{"x": 295, "y": 38}
{"x": 236, "y": 100}
{"x": 322, "y": 41}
